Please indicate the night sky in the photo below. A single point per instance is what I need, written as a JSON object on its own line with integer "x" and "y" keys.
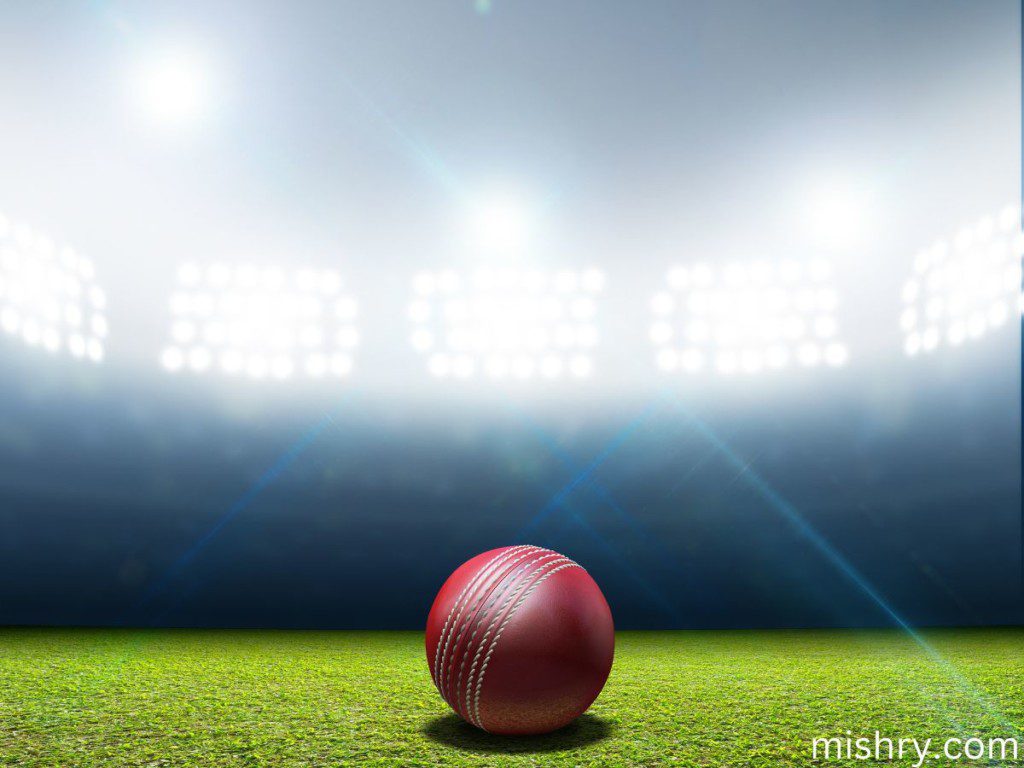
{"x": 124, "y": 506}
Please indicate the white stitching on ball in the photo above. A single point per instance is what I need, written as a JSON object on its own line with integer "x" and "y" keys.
{"x": 462, "y": 621}
{"x": 458, "y": 628}
{"x": 521, "y": 586}
{"x": 474, "y": 585}
{"x": 513, "y": 586}
{"x": 442, "y": 640}
{"x": 494, "y": 642}
{"x": 451, "y": 613}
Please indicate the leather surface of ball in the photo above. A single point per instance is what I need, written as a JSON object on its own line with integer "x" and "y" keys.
{"x": 520, "y": 640}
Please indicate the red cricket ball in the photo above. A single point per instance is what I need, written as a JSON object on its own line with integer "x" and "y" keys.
{"x": 520, "y": 640}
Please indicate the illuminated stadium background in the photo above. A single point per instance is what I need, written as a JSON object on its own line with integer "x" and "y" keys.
{"x": 289, "y": 325}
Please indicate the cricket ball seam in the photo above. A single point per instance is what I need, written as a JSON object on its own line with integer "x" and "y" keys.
{"x": 483, "y": 590}
{"x": 512, "y": 586}
{"x": 444, "y": 638}
{"x": 447, "y": 622}
{"x": 476, "y": 585}
{"x": 494, "y": 642}
{"x": 521, "y": 587}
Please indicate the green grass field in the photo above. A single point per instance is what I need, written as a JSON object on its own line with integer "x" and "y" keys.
{"x": 225, "y": 698}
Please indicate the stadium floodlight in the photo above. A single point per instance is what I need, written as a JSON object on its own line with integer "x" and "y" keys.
{"x": 48, "y": 295}
{"x": 499, "y": 225}
{"x": 836, "y": 215}
{"x": 172, "y": 87}
{"x": 965, "y": 288}
{"x": 747, "y": 318}
{"x": 506, "y": 323}
{"x": 260, "y": 322}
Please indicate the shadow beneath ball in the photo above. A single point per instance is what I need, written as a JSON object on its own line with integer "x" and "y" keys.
{"x": 453, "y": 731}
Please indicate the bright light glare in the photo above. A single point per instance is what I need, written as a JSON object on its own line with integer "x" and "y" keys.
{"x": 836, "y": 216}
{"x": 746, "y": 318}
{"x": 965, "y": 288}
{"x": 48, "y": 295}
{"x": 262, "y": 322}
{"x": 172, "y": 87}
{"x": 499, "y": 226}
{"x": 505, "y": 323}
